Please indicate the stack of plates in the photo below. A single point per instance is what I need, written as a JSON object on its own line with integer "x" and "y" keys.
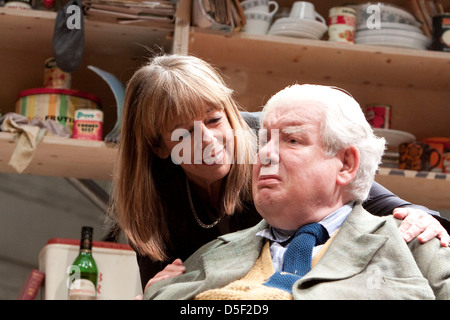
{"x": 387, "y": 13}
{"x": 390, "y": 159}
{"x": 393, "y": 34}
{"x": 394, "y": 137}
{"x": 398, "y": 27}
{"x": 298, "y": 28}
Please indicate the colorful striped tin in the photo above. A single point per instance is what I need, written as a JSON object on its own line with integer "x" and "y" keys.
{"x": 55, "y": 104}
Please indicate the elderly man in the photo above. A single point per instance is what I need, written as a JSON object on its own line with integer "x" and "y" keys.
{"x": 317, "y": 161}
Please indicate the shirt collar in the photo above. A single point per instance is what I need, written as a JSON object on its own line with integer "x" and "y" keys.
{"x": 331, "y": 223}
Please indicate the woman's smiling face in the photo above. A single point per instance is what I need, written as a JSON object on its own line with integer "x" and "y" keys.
{"x": 202, "y": 146}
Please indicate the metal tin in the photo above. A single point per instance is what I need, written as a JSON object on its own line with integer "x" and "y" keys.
{"x": 379, "y": 115}
{"x": 54, "y": 77}
{"x": 441, "y": 33}
{"x": 341, "y": 24}
{"x": 55, "y": 104}
{"x": 88, "y": 124}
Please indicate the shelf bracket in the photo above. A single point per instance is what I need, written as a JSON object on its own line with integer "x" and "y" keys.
{"x": 100, "y": 198}
{"x": 182, "y": 24}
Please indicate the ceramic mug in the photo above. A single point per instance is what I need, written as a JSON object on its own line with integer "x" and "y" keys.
{"x": 441, "y": 33}
{"x": 446, "y": 162}
{"x": 416, "y": 156}
{"x": 305, "y": 10}
{"x": 259, "y": 6}
{"x": 441, "y": 144}
{"x": 257, "y": 22}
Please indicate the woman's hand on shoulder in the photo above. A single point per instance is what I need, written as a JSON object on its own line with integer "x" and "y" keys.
{"x": 421, "y": 225}
{"x": 171, "y": 270}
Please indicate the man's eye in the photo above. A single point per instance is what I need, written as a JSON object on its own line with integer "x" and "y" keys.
{"x": 263, "y": 137}
{"x": 293, "y": 140}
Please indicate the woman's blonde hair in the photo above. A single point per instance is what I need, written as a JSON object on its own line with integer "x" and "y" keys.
{"x": 169, "y": 88}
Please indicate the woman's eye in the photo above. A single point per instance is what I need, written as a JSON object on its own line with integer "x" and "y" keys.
{"x": 214, "y": 120}
{"x": 180, "y": 134}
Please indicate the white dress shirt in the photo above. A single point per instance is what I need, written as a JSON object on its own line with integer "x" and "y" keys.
{"x": 281, "y": 238}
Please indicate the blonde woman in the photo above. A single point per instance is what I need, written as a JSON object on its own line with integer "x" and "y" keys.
{"x": 183, "y": 175}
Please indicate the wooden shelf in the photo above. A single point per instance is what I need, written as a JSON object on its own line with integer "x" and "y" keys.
{"x": 323, "y": 60}
{"x": 63, "y": 157}
{"x": 431, "y": 189}
{"x": 56, "y": 156}
{"x": 100, "y": 37}
{"x": 26, "y": 42}
{"x": 414, "y": 82}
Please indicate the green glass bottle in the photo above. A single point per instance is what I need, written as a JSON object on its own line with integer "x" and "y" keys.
{"x": 83, "y": 271}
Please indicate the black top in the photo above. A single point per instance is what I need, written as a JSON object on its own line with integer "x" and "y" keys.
{"x": 187, "y": 235}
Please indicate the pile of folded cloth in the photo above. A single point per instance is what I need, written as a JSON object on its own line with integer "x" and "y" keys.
{"x": 29, "y": 133}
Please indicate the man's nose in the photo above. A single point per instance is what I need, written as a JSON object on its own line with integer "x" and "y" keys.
{"x": 269, "y": 153}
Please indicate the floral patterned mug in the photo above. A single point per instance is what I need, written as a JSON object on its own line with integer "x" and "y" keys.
{"x": 416, "y": 156}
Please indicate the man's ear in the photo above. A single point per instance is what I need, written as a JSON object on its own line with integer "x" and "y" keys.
{"x": 350, "y": 158}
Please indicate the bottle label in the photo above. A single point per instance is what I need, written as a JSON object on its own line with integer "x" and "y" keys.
{"x": 82, "y": 289}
